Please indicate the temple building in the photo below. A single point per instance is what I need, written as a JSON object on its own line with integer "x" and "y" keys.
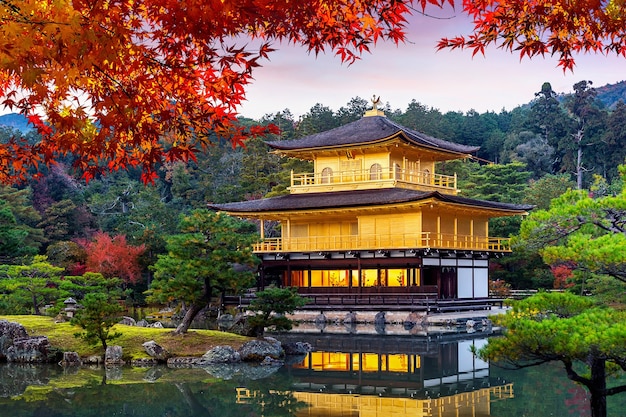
{"x": 375, "y": 217}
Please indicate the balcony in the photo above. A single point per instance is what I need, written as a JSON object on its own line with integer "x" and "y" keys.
{"x": 376, "y": 242}
{"x": 368, "y": 179}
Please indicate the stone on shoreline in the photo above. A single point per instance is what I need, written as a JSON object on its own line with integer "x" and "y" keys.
{"x": 220, "y": 354}
{"x": 256, "y": 350}
{"x": 10, "y": 331}
{"x": 31, "y": 350}
{"x": 156, "y": 351}
{"x": 70, "y": 359}
{"x": 113, "y": 356}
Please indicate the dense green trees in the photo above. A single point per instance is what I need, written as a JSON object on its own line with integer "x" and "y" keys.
{"x": 589, "y": 341}
{"x": 534, "y": 143}
{"x": 585, "y": 233}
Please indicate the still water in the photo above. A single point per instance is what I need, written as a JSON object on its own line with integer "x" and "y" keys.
{"x": 348, "y": 376}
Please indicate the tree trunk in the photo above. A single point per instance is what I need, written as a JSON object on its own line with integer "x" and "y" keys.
{"x": 193, "y": 311}
{"x": 36, "y": 311}
{"x": 598, "y": 387}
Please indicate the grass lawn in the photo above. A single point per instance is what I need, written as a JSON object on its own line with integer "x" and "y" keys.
{"x": 61, "y": 335}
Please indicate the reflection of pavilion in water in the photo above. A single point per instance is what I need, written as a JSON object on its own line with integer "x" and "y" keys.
{"x": 441, "y": 380}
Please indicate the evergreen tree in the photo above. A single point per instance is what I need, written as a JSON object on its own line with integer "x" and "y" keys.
{"x": 212, "y": 255}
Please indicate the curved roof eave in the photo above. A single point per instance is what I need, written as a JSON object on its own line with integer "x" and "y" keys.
{"x": 368, "y": 130}
{"x": 346, "y": 199}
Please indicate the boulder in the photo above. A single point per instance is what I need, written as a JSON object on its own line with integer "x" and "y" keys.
{"x": 415, "y": 319}
{"x": 225, "y": 321}
{"x": 242, "y": 326}
{"x": 8, "y": 332}
{"x": 113, "y": 356}
{"x": 350, "y": 318}
{"x": 92, "y": 360}
{"x": 220, "y": 354}
{"x": 156, "y": 324}
{"x": 142, "y": 323}
{"x": 144, "y": 362}
{"x": 156, "y": 351}
{"x": 31, "y": 350}
{"x": 181, "y": 362}
{"x": 128, "y": 321}
{"x": 70, "y": 359}
{"x": 256, "y": 350}
{"x": 297, "y": 348}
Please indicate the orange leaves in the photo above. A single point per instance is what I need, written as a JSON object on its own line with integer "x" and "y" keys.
{"x": 558, "y": 27}
{"x": 136, "y": 83}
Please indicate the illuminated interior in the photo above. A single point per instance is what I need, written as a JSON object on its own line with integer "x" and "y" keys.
{"x": 350, "y": 278}
{"x": 365, "y": 362}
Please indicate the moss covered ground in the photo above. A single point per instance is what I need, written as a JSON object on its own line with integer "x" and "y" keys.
{"x": 193, "y": 343}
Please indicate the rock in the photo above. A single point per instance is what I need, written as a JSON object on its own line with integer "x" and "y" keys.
{"x": 297, "y": 348}
{"x": 271, "y": 362}
{"x": 156, "y": 324}
{"x": 113, "y": 356}
{"x": 256, "y": 350}
{"x": 70, "y": 359}
{"x": 225, "y": 321}
{"x": 350, "y": 318}
{"x": 8, "y": 332}
{"x": 220, "y": 354}
{"x": 380, "y": 322}
{"x": 144, "y": 362}
{"x": 242, "y": 326}
{"x": 142, "y": 323}
{"x": 31, "y": 350}
{"x": 181, "y": 362}
{"x": 92, "y": 360}
{"x": 156, "y": 351}
{"x": 128, "y": 321}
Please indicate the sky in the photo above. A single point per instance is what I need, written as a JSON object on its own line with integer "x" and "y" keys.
{"x": 447, "y": 80}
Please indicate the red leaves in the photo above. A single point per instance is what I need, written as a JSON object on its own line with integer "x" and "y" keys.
{"x": 116, "y": 84}
{"x": 560, "y": 27}
{"x": 113, "y": 257}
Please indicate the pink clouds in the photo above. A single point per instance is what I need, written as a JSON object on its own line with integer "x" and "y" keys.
{"x": 446, "y": 80}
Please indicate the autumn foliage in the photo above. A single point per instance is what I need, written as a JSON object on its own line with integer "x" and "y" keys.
{"x": 127, "y": 83}
{"x": 562, "y": 28}
{"x": 135, "y": 83}
{"x": 562, "y": 276}
{"x": 113, "y": 257}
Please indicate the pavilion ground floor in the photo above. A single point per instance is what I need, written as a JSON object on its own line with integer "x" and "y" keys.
{"x": 383, "y": 280}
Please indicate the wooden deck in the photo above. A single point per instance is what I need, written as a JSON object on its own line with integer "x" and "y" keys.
{"x": 424, "y": 302}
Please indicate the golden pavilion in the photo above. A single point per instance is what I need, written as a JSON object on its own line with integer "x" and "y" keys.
{"x": 375, "y": 218}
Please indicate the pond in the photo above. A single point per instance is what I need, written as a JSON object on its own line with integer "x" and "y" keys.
{"x": 347, "y": 376}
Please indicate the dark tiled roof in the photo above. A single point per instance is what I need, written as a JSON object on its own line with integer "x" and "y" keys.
{"x": 340, "y": 199}
{"x": 366, "y": 130}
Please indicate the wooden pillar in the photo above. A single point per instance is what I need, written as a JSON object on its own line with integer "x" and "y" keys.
{"x": 439, "y": 237}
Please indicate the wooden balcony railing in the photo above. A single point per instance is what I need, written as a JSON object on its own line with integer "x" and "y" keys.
{"x": 424, "y": 178}
{"x": 376, "y": 242}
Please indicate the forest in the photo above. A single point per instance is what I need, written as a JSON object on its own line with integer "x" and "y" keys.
{"x": 116, "y": 226}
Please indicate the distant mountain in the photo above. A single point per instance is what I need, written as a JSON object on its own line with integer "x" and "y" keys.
{"x": 16, "y": 121}
{"x": 610, "y": 94}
